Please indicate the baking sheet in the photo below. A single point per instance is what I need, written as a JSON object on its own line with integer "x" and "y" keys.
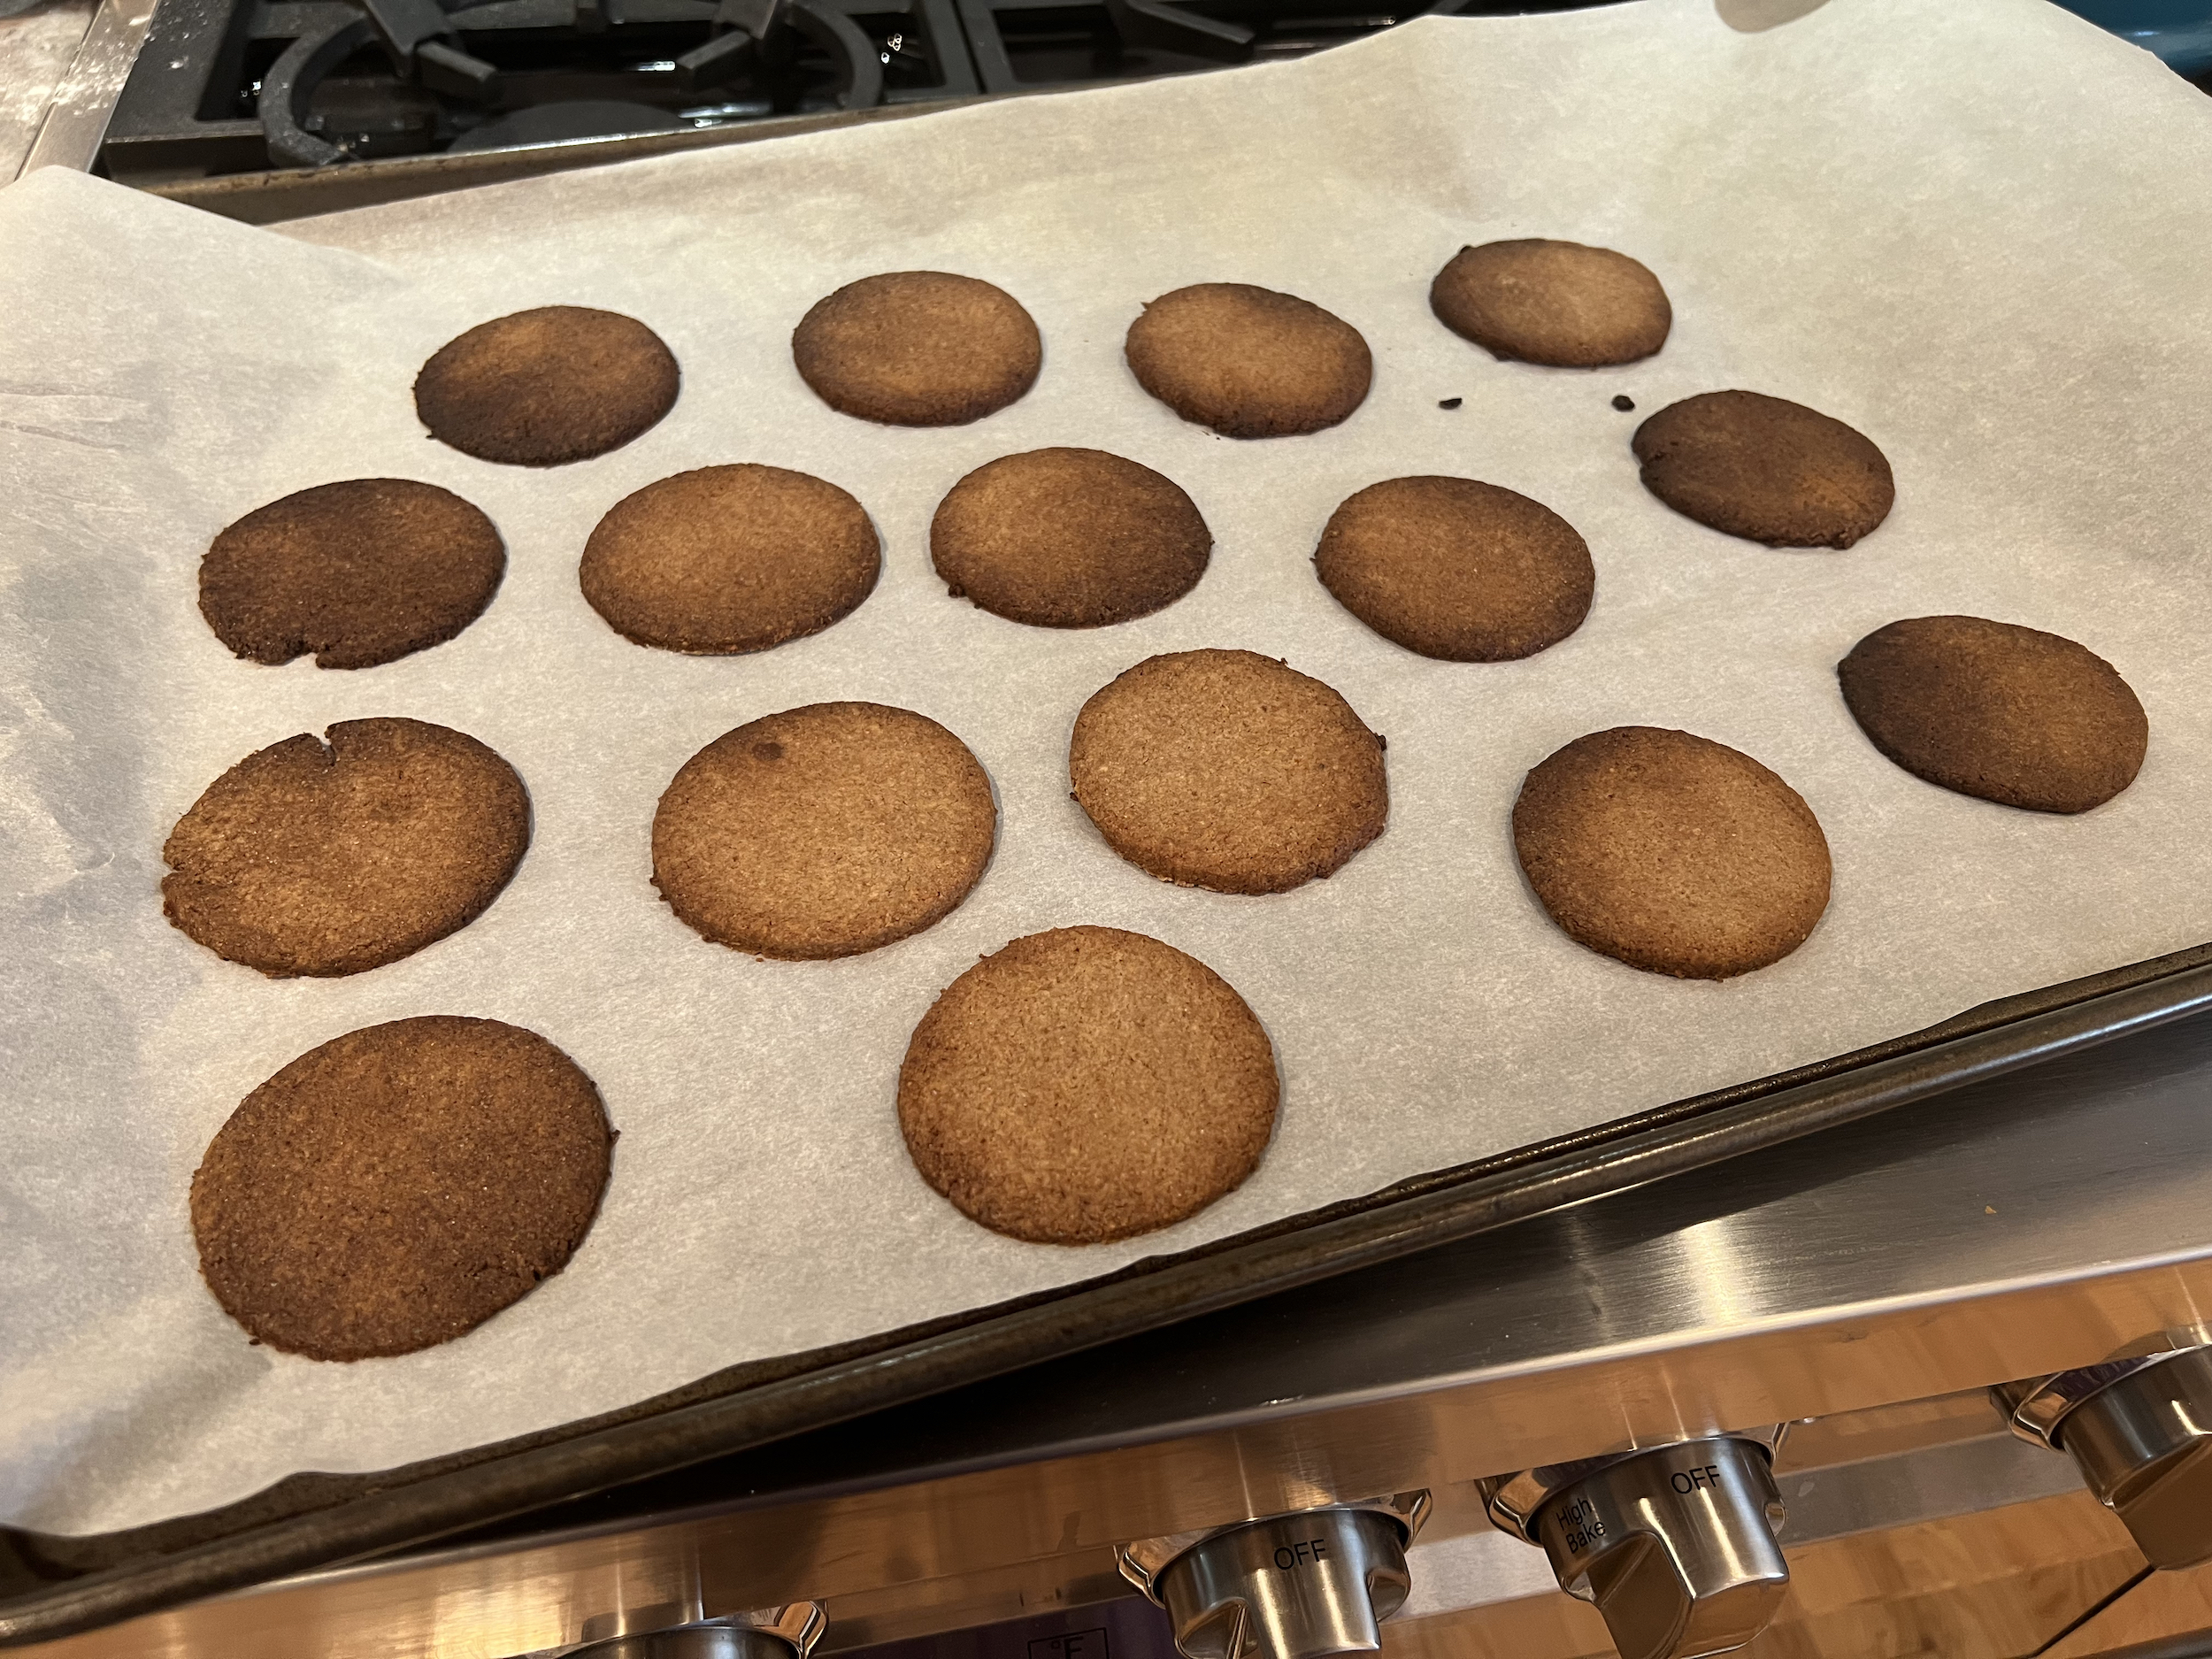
{"x": 1976, "y": 232}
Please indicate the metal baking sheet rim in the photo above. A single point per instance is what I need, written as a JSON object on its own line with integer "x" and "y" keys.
{"x": 1413, "y": 1216}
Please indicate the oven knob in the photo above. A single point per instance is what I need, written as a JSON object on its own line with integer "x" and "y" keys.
{"x": 772, "y": 1632}
{"x": 2140, "y": 1431}
{"x": 1292, "y": 1586}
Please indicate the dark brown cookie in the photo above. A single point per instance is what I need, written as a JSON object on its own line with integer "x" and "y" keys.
{"x": 918, "y": 349}
{"x": 1994, "y": 710}
{"x": 730, "y": 558}
{"x": 308, "y": 859}
{"x": 540, "y": 388}
{"x": 1672, "y": 852}
{"x": 1069, "y": 538}
{"x": 1248, "y": 362}
{"x": 399, "y": 1186}
{"x": 824, "y": 831}
{"x": 1228, "y": 770}
{"x": 1557, "y": 303}
{"x": 1086, "y": 1084}
{"x": 359, "y": 573}
{"x": 1765, "y": 469}
{"x": 1456, "y": 569}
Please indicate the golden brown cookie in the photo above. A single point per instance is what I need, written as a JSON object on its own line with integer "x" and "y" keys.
{"x": 540, "y": 388}
{"x": 918, "y": 349}
{"x": 1994, "y": 710}
{"x": 824, "y": 831}
{"x": 360, "y": 573}
{"x": 1765, "y": 469}
{"x": 1672, "y": 852}
{"x": 1248, "y": 362}
{"x": 730, "y": 558}
{"x": 399, "y": 1186}
{"x": 1557, "y": 303}
{"x": 1456, "y": 569}
{"x": 308, "y": 858}
{"x": 1086, "y": 1084}
{"x": 1068, "y": 539}
{"x": 1228, "y": 770}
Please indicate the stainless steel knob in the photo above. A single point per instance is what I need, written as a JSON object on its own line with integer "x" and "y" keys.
{"x": 772, "y": 1632}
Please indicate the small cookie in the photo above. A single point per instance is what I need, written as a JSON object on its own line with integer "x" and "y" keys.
{"x": 361, "y": 572}
{"x": 824, "y": 831}
{"x": 399, "y": 1186}
{"x": 1555, "y": 303}
{"x": 540, "y": 388}
{"x": 1069, "y": 538}
{"x": 1765, "y": 469}
{"x": 730, "y": 558}
{"x": 1228, "y": 770}
{"x": 1248, "y": 362}
{"x": 308, "y": 858}
{"x": 1086, "y": 1084}
{"x": 918, "y": 349}
{"x": 1672, "y": 852}
{"x": 1994, "y": 710}
{"x": 1456, "y": 569}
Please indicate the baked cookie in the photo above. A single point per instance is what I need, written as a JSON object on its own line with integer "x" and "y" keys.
{"x": 399, "y": 1186}
{"x": 918, "y": 349}
{"x": 1557, "y": 303}
{"x": 1994, "y": 710}
{"x": 1456, "y": 569}
{"x": 1248, "y": 362}
{"x": 325, "y": 859}
{"x": 540, "y": 388}
{"x": 1228, "y": 770}
{"x": 730, "y": 558}
{"x": 1068, "y": 539}
{"x": 358, "y": 574}
{"x": 824, "y": 831}
{"x": 1765, "y": 469}
{"x": 1086, "y": 1084}
{"x": 1672, "y": 852}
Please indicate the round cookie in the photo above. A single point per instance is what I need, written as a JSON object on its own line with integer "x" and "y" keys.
{"x": 1248, "y": 362}
{"x": 727, "y": 559}
{"x": 358, "y": 574}
{"x": 824, "y": 831}
{"x": 1086, "y": 1084}
{"x": 1228, "y": 770}
{"x": 540, "y": 388}
{"x": 1456, "y": 569}
{"x": 1069, "y": 538}
{"x": 918, "y": 349}
{"x": 1994, "y": 710}
{"x": 308, "y": 859}
{"x": 399, "y": 1186}
{"x": 1555, "y": 302}
{"x": 1672, "y": 852}
{"x": 1765, "y": 469}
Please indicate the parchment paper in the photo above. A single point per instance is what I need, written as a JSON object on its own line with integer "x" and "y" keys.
{"x": 1978, "y": 232}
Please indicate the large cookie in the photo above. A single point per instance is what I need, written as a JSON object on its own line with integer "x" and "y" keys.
{"x": 918, "y": 349}
{"x": 399, "y": 1186}
{"x": 540, "y": 388}
{"x": 1248, "y": 362}
{"x": 308, "y": 858}
{"x": 1069, "y": 538}
{"x": 730, "y": 558}
{"x": 1086, "y": 1084}
{"x": 1672, "y": 852}
{"x": 1228, "y": 770}
{"x": 1765, "y": 469}
{"x": 360, "y": 572}
{"x": 1456, "y": 569}
{"x": 1994, "y": 710}
{"x": 1557, "y": 303}
{"x": 823, "y": 831}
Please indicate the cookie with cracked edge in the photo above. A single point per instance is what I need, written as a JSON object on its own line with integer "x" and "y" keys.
{"x": 1560, "y": 303}
{"x": 1085, "y": 1085}
{"x": 547, "y": 387}
{"x": 1249, "y": 362}
{"x": 918, "y": 349}
{"x": 1765, "y": 469}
